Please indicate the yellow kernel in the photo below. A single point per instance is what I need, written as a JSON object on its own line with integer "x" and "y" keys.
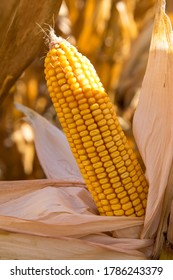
{"x": 136, "y": 202}
{"x": 140, "y": 213}
{"x": 92, "y": 126}
{"x": 100, "y": 209}
{"x": 89, "y": 122}
{"x": 81, "y": 128}
{"x": 98, "y": 143}
{"x": 90, "y": 150}
{"x": 74, "y": 86}
{"x": 93, "y": 178}
{"x": 101, "y": 196}
{"x": 137, "y": 183}
{"x": 138, "y": 207}
{"x": 144, "y": 202}
{"x": 83, "y": 107}
{"x": 115, "y": 154}
{"x": 91, "y": 155}
{"x": 129, "y": 212}
{"x": 98, "y": 190}
{"x": 75, "y": 136}
{"x": 116, "y": 160}
{"x": 75, "y": 111}
{"x": 72, "y": 80}
{"x": 122, "y": 194}
{"x": 118, "y": 189}
{"x": 116, "y": 206}
{"x": 112, "y": 174}
{"x": 110, "y": 169}
{"x": 120, "y": 164}
{"x": 119, "y": 212}
{"x": 88, "y": 144}
{"x": 122, "y": 170}
{"x": 104, "y": 202}
{"x": 103, "y": 128}
{"x": 131, "y": 169}
{"x": 86, "y": 138}
{"x": 110, "y": 122}
{"x": 107, "y": 163}
{"x": 125, "y": 157}
{"x": 94, "y": 132}
{"x": 77, "y": 117}
{"x": 95, "y": 159}
{"x": 124, "y": 200}
{"x": 96, "y": 138}
{"x": 79, "y": 121}
{"x": 126, "y": 181}
{"x": 131, "y": 191}
{"x": 107, "y": 208}
{"x": 106, "y": 111}
{"x": 127, "y": 206}
{"x": 101, "y": 175}
{"x": 106, "y": 185}
{"x": 60, "y": 82}
{"x": 97, "y": 164}
{"x": 114, "y": 201}
{"x": 115, "y": 180}
{"x": 68, "y": 116}
{"x": 94, "y": 106}
{"x": 108, "y": 191}
{"x": 102, "y": 122}
{"x": 77, "y": 91}
{"x": 51, "y": 72}
{"x": 116, "y": 137}
{"x": 124, "y": 175}
{"x": 96, "y": 112}
{"x": 101, "y": 149}
{"x": 110, "y": 213}
{"x": 133, "y": 196}
{"x": 106, "y": 135}
{"x": 105, "y": 158}
{"x": 99, "y": 170}
{"x": 73, "y": 104}
{"x": 142, "y": 196}
{"x": 83, "y": 133}
{"x": 65, "y": 87}
{"x": 134, "y": 178}
{"x": 111, "y": 196}
{"x": 104, "y": 181}
{"x": 89, "y": 173}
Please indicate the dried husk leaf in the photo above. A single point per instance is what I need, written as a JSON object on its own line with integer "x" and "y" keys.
{"x": 153, "y": 126}
{"x": 65, "y": 216}
{"x": 52, "y": 148}
{"x": 21, "y": 38}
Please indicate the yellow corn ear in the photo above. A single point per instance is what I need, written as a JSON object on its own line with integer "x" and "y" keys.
{"x": 109, "y": 166}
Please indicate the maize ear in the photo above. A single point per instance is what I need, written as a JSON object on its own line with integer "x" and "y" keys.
{"x": 109, "y": 166}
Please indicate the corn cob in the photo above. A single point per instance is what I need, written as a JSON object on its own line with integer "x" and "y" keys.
{"x": 108, "y": 164}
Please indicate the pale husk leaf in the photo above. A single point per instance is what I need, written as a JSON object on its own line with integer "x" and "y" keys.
{"x": 52, "y": 148}
{"x": 66, "y": 215}
{"x": 153, "y": 126}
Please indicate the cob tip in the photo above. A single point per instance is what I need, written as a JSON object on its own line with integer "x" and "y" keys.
{"x": 53, "y": 39}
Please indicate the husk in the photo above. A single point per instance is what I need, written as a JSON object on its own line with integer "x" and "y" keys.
{"x": 153, "y": 125}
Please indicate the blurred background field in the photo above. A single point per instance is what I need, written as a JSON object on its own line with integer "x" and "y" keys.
{"x": 114, "y": 35}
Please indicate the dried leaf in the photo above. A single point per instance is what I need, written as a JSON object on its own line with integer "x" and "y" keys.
{"x": 153, "y": 126}
{"x": 66, "y": 215}
{"x": 22, "y": 40}
{"x": 52, "y": 148}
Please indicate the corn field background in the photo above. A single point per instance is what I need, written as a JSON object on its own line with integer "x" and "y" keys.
{"x": 114, "y": 35}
